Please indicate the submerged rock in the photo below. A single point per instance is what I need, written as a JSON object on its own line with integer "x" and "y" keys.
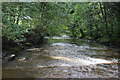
{"x": 9, "y": 57}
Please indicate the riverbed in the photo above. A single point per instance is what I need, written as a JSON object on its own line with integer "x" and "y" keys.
{"x": 64, "y": 57}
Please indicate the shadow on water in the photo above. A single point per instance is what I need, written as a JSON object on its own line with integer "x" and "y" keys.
{"x": 64, "y": 58}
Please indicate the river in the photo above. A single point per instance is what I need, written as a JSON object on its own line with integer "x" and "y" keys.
{"x": 63, "y": 57}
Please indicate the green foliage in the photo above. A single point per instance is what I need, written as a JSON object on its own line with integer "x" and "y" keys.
{"x": 97, "y": 21}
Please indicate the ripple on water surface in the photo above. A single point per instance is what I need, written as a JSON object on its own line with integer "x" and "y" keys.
{"x": 62, "y": 60}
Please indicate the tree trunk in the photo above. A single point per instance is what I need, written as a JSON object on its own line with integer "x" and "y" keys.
{"x": 104, "y": 15}
{"x": 18, "y": 17}
{"x": 106, "y": 22}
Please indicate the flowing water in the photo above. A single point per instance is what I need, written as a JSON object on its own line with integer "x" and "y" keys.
{"x": 63, "y": 57}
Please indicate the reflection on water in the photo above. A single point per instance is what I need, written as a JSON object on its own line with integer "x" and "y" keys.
{"x": 87, "y": 61}
{"x": 62, "y": 44}
{"x": 64, "y": 58}
{"x": 61, "y": 37}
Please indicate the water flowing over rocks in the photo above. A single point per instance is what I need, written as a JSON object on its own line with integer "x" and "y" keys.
{"x": 64, "y": 58}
